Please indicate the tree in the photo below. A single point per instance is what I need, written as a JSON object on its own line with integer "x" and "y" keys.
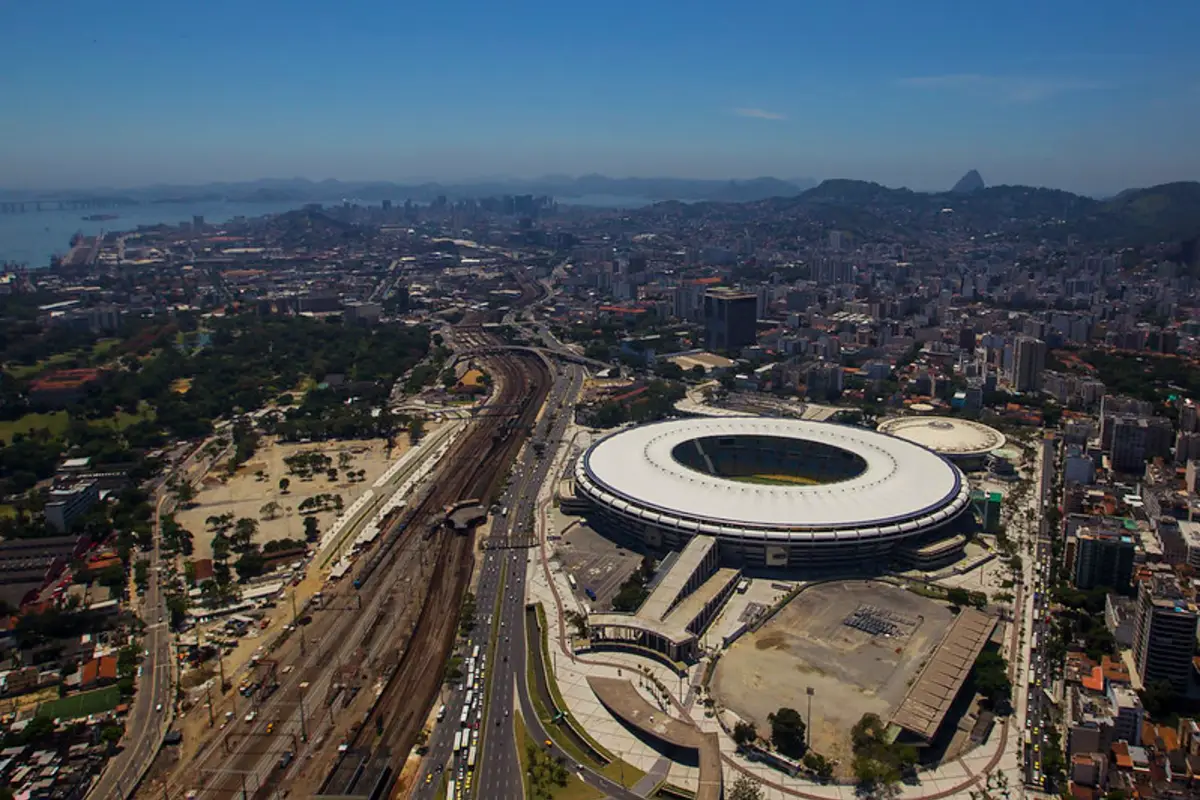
{"x": 1159, "y": 699}
{"x": 745, "y": 788}
{"x": 787, "y": 732}
{"x": 141, "y": 574}
{"x": 243, "y": 533}
{"x": 876, "y": 778}
{"x": 578, "y": 621}
{"x": 991, "y": 679}
{"x": 251, "y": 564}
{"x": 177, "y": 606}
{"x": 958, "y": 597}
{"x": 822, "y": 767}
{"x": 416, "y": 429}
{"x": 220, "y": 548}
{"x": 311, "y": 530}
{"x": 185, "y": 493}
{"x": 744, "y": 733}
{"x": 270, "y": 510}
{"x": 284, "y": 483}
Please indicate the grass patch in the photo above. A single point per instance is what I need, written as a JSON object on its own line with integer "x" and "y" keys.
{"x": 26, "y": 371}
{"x": 616, "y": 769}
{"x": 103, "y": 347}
{"x": 523, "y": 740}
{"x": 82, "y": 704}
{"x": 575, "y": 788}
{"x": 7, "y": 512}
{"x": 123, "y": 419}
{"x": 776, "y": 480}
{"x": 54, "y": 421}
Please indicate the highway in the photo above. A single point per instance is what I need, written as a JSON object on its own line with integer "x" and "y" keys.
{"x": 498, "y": 769}
{"x": 152, "y": 709}
{"x": 1042, "y": 673}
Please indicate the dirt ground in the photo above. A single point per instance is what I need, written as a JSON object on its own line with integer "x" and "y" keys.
{"x": 852, "y": 672}
{"x": 246, "y": 493}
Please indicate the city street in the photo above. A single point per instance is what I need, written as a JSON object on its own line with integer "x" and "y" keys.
{"x": 1039, "y": 707}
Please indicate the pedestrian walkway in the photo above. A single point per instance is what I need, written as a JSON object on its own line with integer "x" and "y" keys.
{"x": 548, "y": 585}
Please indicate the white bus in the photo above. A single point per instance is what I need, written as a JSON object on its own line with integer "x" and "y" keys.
{"x": 471, "y": 758}
{"x": 475, "y": 653}
{"x": 470, "y": 697}
{"x": 463, "y": 719}
{"x": 458, "y": 741}
{"x": 571, "y": 580}
{"x": 450, "y": 789}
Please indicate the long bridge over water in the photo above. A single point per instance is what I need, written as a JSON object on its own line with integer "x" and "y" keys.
{"x": 76, "y": 204}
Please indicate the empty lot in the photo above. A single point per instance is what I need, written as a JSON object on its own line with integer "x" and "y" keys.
{"x": 851, "y": 671}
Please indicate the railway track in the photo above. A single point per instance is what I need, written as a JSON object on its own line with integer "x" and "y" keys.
{"x": 421, "y": 634}
{"x": 391, "y": 730}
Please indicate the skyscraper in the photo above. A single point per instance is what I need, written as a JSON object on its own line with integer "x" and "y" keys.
{"x": 729, "y": 319}
{"x": 1104, "y": 558}
{"x": 1029, "y": 359}
{"x": 1164, "y": 631}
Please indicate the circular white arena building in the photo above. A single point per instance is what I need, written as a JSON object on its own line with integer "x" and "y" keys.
{"x": 963, "y": 441}
{"x": 773, "y": 492}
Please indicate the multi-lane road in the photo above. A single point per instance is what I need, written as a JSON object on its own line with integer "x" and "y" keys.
{"x": 1041, "y": 674}
{"x": 497, "y": 771}
{"x": 502, "y": 576}
{"x": 152, "y": 707}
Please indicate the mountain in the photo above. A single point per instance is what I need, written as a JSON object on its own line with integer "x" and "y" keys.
{"x": 563, "y": 187}
{"x": 971, "y": 182}
{"x": 1166, "y": 213}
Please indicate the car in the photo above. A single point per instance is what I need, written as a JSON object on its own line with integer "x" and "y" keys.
{"x": 548, "y": 743}
{"x": 270, "y": 727}
{"x": 158, "y": 707}
{"x": 429, "y": 778}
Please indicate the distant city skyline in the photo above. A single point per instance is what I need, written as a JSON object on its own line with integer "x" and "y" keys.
{"x": 1091, "y": 97}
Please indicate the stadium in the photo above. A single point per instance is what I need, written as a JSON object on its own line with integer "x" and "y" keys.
{"x": 777, "y": 493}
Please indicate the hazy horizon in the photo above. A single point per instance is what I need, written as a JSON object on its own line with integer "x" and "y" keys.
{"x": 1091, "y": 97}
{"x": 804, "y": 183}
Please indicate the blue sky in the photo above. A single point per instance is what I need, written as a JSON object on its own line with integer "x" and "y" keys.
{"x": 1089, "y": 96}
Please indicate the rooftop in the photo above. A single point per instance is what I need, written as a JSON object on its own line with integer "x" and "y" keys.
{"x": 931, "y": 695}
{"x": 626, "y": 703}
{"x": 908, "y": 486}
{"x": 949, "y": 436}
{"x": 666, "y": 593}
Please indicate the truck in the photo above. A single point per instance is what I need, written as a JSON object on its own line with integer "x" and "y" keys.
{"x": 591, "y": 595}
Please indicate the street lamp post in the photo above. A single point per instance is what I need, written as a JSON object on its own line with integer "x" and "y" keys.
{"x": 808, "y": 731}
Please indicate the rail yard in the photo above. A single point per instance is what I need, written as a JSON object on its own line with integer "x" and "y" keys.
{"x": 342, "y": 699}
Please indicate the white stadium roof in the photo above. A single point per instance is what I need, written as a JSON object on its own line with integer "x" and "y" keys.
{"x": 903, "y": 490}
{"x": 949, "y": 436}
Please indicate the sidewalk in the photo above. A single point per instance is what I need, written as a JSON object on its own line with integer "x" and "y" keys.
{"x": 548, "y": 585}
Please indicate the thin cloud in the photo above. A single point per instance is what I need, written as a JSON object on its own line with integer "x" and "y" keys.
{"x": 1010, "y": 89}
{"x": 758, "y": 113}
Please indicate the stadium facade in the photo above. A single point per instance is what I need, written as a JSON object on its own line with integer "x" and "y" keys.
{"x": 777, "y": 493}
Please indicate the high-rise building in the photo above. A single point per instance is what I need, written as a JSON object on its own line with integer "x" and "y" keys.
{"x": 1164, "y": 631}
{"x": 1029, "y": 360}
{"x": 1136, "y": 440}
{"x": 197, "y": 222}
{"x": 1104, "y": 558}
{"x": 729, "y": 319}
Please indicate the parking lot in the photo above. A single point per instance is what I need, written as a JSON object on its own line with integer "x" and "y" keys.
{"x": 596, "y": 563}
